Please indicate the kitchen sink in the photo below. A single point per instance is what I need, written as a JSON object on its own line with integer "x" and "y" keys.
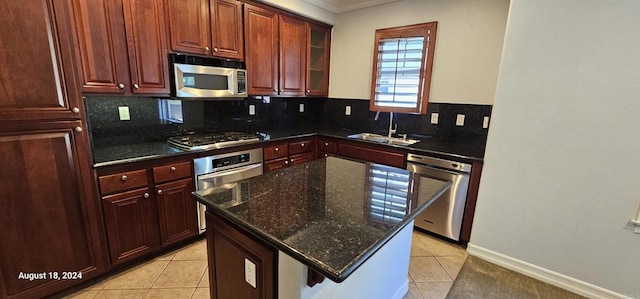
{"x": 383, "y": 139}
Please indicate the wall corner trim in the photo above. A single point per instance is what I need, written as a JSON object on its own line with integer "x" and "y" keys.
{"x": 551, "y": 277}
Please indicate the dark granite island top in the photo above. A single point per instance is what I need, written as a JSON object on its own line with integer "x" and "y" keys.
{"x": 330, "y": 214}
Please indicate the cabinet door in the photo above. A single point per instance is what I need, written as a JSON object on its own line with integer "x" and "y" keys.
{"x": 37, "y": 67}
{"x": 301, "y": 158}
{"x": 272, "y": 165}
{"x": 318, "y": 47}
{"x": 146, "y": 40}
{"x": 292, "y": 56}
{"x": 102, "y": 46}
{"x": 261, "y": 41}
{"x": 189, "y": 25}
{"x": 176, "y": 211}
{"x": 226, "y": 22}
{"x": 49, "y": 215}
{"x": 132, "y": 227}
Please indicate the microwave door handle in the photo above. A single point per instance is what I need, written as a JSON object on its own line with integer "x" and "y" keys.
{"x": 233, "y": 172}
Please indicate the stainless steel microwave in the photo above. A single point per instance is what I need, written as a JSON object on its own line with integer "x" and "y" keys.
{"x": 205, "y": 77}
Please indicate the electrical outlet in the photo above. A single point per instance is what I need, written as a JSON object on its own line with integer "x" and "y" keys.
{"x": 250, "y": 272}
{"x": 485, "y": 122}
{"x": 434, "y": 118}
{"x": 460, "y": 120}
{"x": 347, "y": 110}
{"x": 123, "y": 112}
{"x": 252, "y": 109}
{"x": 301, "y": 107}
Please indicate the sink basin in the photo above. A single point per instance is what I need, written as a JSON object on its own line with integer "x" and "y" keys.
{"x": 383, "y": 139}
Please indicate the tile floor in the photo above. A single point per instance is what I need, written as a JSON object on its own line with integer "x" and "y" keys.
{"x": 182, "y": 273}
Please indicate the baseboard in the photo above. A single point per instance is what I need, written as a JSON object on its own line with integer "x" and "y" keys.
{"x": 554, "y": 278}
{"x": 403, "y": 290}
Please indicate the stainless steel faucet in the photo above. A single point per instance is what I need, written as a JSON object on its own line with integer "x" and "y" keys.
{"x": 392, "y": 128}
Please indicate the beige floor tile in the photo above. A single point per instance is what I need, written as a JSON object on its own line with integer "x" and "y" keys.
{"x": 84, "y": 294}
{"x": 427, "y": 269}
{"x": 193, "y": 252}
{"x": 410, "y": 278}
{"x": 98, "y": 285}
{"x": 441, "y": 248}
{"x": 434, "y": 290}
{"x": 452, "y": 264}
{"x": 201, "y": 293}
{"x": 177, "y": 293}
{"x": 140, "y": 277}
{"x": 121, "y": 294}
{"x": 181, "y": 274}
{"x": 204, "y": 281}
{"x": 418, "y": 248}
{"x": 167, "y": 256}
{"x": 413, "y": 293}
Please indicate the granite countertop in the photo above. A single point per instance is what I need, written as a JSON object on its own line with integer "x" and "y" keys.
{"x": 119, "y": 154}
{"x": 330, "y": 214}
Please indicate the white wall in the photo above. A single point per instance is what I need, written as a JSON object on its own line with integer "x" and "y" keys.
{"x": 562, "y": 165}
{"x": 305, "y": 9}
{"x": 468, "y": 47}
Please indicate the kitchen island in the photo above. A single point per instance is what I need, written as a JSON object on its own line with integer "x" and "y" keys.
{"x": 279, "y": 234}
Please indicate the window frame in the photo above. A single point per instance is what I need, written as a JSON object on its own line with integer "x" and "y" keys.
{"x": 426, "y": 30}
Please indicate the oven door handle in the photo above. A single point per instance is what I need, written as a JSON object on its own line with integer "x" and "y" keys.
{"x": 233, "y": 175}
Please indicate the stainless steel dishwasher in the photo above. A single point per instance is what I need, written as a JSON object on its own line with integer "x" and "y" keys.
{"x": 444, "y": 215}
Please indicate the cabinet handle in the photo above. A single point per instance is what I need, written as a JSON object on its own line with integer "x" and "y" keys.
{"x": 124, "y": 178}
{"x": 75, "y": 110}
{"x": 136, "y": 86}
{"x": 121, "y": 86}
{"x": 277, "y": 149}
{"x": 215, "y": 49}
{"x": 159, "y": 192}
{"x": 206, "y": 49}
{"x": 172, "y": 169}
{"x": 78, "y": 129}
{"x": 146, "y": 195}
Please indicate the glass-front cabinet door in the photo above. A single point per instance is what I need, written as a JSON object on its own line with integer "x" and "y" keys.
{"x": 318, "y": 43}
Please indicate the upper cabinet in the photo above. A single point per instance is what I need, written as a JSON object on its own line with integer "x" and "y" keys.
{"x": 206, "y": 27}
{"x": 286, "y": 55}
{"x": 122, "y": 46}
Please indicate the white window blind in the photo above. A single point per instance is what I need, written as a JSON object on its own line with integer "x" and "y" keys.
{"x": 389, "y": 189}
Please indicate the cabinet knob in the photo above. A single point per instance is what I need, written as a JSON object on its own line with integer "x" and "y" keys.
{"x": 124, "y": 178}
{"x": 326, "y": 155}
{"x": 286, "y": 162}
{"x": 75, "y": 110}
{"x": 136, "y": 86}
{"x": 280, "y": 90}
{"x": 276, "y": 149}
{"x": 146, "y": 195}
{"x": 275, "y": 89}
{"x": 326, "y": 144}
{"x": 121, "y": 86}
{"x": 172, "y": 169}
{"x": 308, "y": 90}
{"x": 302, "y": 145}
{"x": 215, "y": 49}
{"x": 159, "y": 192}
{"x": 78, "y": 129}
{"x": 206, "y": 49}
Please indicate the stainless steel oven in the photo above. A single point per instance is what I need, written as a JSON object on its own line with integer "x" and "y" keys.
{"x": 444, "y": 215}
{"x": 224, "y": 169}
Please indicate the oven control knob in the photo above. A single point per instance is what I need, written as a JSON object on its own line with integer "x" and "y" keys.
{"x": 160, "y": 192}
{"x": 172, "y": 169}
{"x": 146, "y": 195}
{"x": 124, "y": 178}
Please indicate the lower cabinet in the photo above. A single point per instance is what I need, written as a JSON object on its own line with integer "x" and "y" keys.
{"x": 147, "y": 209}
{"x": 361, "y": 151}
{"x": 229, "y": 252}
{"x": 281, "y": 155}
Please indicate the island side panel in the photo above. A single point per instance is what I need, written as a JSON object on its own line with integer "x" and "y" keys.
{"x": 228, "y": 247}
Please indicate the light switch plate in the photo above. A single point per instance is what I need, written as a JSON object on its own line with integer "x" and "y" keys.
{"x": 252, "y": 109}
{"x": 301, "y": 107}
{"x": 123, "y": 112}
{"x": 434, "y": 118}
{"x": 485, "y": 122}
{"x": 250, "y": 272}
{"x": 460, "y": 120}
{"x": 347, "y": 110}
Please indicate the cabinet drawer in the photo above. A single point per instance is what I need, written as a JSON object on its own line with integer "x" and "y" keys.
{"x": 302, "y": 146}
{"x": 171, "y": 172}
{"x": 327, "y": 146}
{"x": 275, "y": 151}
{"x": 275, "y": 164}
{"x": 372, "y": 155}
{"x": 122, "y": 181}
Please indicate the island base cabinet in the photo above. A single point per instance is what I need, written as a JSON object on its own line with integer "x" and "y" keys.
{"x": 229, "y": 251}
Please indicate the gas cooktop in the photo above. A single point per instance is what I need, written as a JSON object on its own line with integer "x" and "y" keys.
{"x": 214, "y": 140}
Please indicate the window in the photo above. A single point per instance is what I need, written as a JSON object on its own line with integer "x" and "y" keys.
{"x": 170, "y": 111}
{"x": 388, "y": 194}
{"x": 402, "y": 61}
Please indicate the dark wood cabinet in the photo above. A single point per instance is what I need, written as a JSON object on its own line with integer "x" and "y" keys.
{"x": 292, "y": 56}
{"x": 317, "y": 63}
{"x": 147, "y": 208}
{"x": 229, "y": 249}
{"x": 261, "y": 42}
{"x": 284, "y": 154}
{"x": 206, "y": 27}
{"x": 122, "y": 46}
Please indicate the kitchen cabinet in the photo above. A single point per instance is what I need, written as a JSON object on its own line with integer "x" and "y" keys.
{"x": 147, "y": 208}
{"x": 206, "y": 27}
{"x": 317, "y": 70}
{"x": 50, "y": 219}
{"x": 360, "y": 150}
{"x": 122, "y": 46}
{"x": 284, "y": 154}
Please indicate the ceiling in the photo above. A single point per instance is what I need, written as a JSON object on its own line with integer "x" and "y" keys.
{"x": 338, "y": 6}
